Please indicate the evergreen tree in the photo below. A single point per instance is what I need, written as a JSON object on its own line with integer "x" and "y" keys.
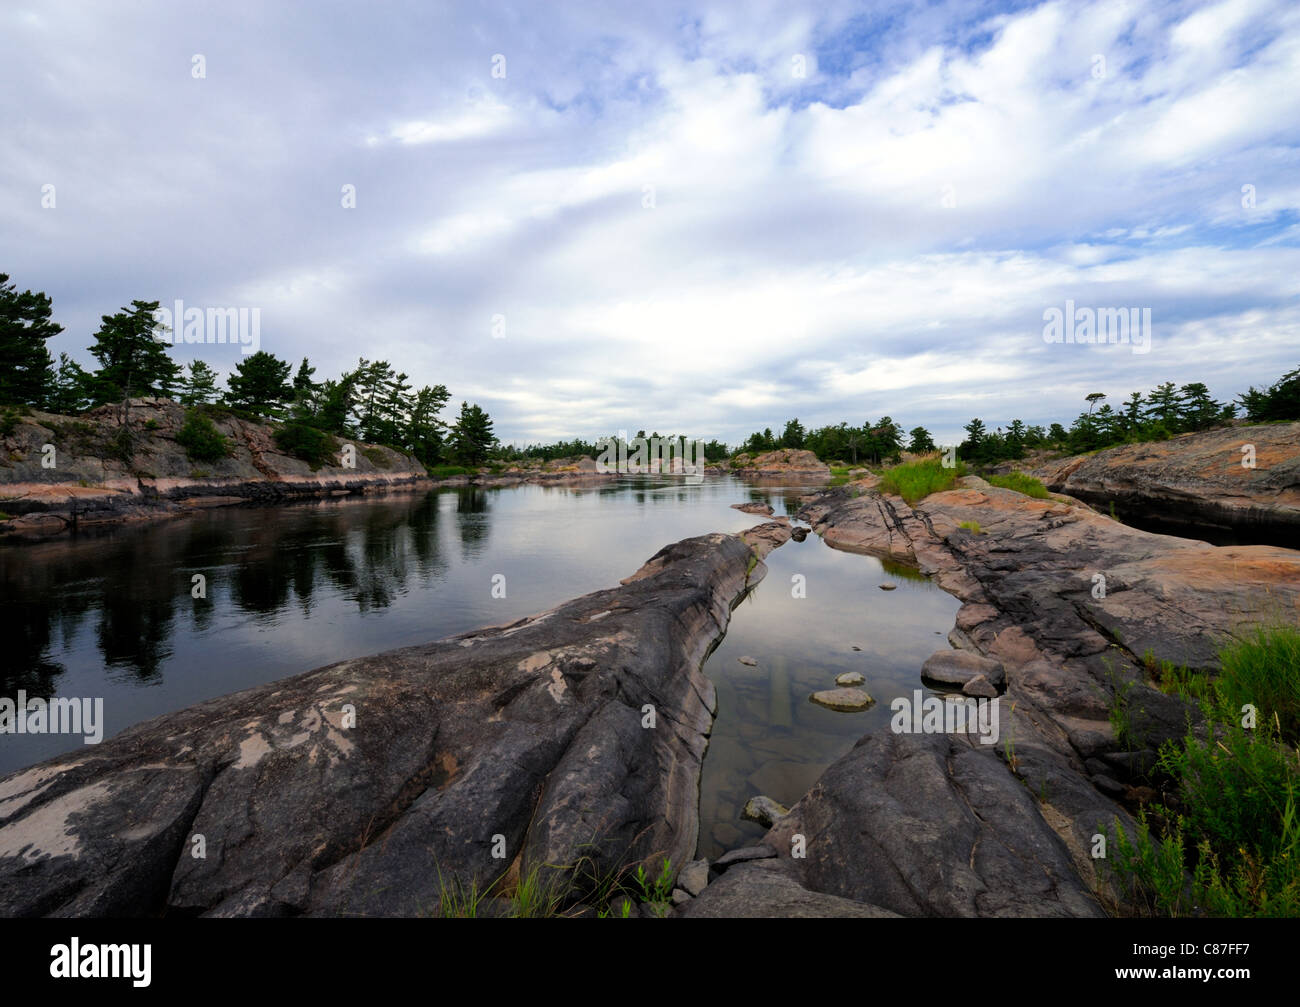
{"x": 1162, "y": 406}
{"x": 26, "y": 368}
{"x": 199, "y": 387}
{"x": 794, "y": 434}
{"x": 70, "y": 392}
{"x": 133, "y": 362}
{"x": 424, "y": 430}
{"x": 921, "y": 443}
{"x": 471, "y": 435}
{"x": 260, "y": 384}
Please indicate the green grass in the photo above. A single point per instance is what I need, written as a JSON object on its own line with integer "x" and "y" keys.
{"x": 972, "y": 526}
{"x": 1021, "y": 483}
{"x": 4, "y": 516}
{"x": 1225, "y": 841}
{"x": 915, "y": 481}
{"x": 447, "y": 471}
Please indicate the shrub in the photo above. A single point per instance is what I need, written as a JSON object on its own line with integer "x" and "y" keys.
{"x": 201, "y": 439}
{"x": 447, "y": 471}
{"x": 972, "y": 526}
{"x": 1229, "y": 844}
{"x": 313, "y": 446}
{"x": 916, "y": 480}
{"x": 1021, "y": 483}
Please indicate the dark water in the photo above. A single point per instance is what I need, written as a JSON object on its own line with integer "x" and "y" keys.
{"x": 289, "y": 588}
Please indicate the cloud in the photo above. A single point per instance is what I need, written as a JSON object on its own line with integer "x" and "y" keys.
{"x": 685, "y": 227}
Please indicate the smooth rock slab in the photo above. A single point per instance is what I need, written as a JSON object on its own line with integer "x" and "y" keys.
{"x": 850, "y": 678}
{"x": 749, "y": 662}
{"x": 843, "y": 700}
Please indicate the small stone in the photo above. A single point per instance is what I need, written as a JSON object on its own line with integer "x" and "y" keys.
{"x": 850, "y": 678}
{"x": 748, "y": 661}
{"x": 798, "y": 533}
{"x": 856, "y": 647}
{"x": 844, "y": 700}
{"x": 889, "y": 586}
{"x": 764, "y": 811}
{"x": 694, "y": 876}
{"x": 760, "y": 852}
{"x": 980, "y": 687}
{"x": 680, "y": 896}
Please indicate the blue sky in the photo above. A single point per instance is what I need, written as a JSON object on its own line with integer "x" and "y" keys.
{"x": 698, "y": 218}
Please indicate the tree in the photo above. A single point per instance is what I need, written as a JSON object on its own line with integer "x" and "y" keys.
{"x": 1092, "y": 399}
{"x": 260, "y": 384}
{"x": 793, "y": 436}
{"x": 69, "y": 393}
{"x": 132, "y": 360}
{"x": 1196, "y": 409}
{"x": 26, "y": 367}
{"x": 1133, "y": 414}
{"x": 1015, "y": 443}
{"x": 922, "y": 443}
{"x": 424, "y": 431}
{"x": 199, "y": 387}
{"x": 471, "y": 436}
{"x": 1162, "y": 406}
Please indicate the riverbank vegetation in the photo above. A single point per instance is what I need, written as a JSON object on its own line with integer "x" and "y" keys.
{"x": 1223, "y": 836}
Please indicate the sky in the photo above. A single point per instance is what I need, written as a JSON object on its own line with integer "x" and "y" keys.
{"x": 701, "y": 218}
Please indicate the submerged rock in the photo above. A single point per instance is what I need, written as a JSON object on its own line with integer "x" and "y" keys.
{"x": 846, "y": 700}
{"x": 764, "y": 811}
{"x": 748, "y": 662}
{"x": 754, "y": 507}
{"x": 850, "y": 678}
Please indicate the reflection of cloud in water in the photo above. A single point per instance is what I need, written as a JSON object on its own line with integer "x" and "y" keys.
{"x": 768, "y": 738}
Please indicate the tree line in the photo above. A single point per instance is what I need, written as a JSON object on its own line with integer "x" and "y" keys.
{"x": 1161, "y": 413}
{"x": 373, "y": 402}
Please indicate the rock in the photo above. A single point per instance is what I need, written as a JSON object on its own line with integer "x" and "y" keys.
{"x": 957, "y": 667}
{"x": 980, "y": 687}
{"x": 766, "y": 889}
{"x": 760, "y": 852}
{"x": 679, "y": 897}
{"x": 530, "y": 730}
{"x": 850, "y": 678}
{"x": 1196, "y": 480}
{"x": 748, "y": 661}
{"x": 844, "y": 700}
{"x": 694, "y": 877}
{"x": 856, "y": 647}
{"x": 889, "y": 586}
{"x": 763, "y": 810}
{"x": 786, "y": 462}
{"x": 754, "y": 507}
{"x": 799, "y": 533}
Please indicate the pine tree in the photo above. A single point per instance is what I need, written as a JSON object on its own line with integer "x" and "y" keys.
{"x": 70, "y": 392}
{"x": 471, "y": 435}
{"x": 424, "y": 430}
{"x": 260, "y": 384}
{"x": 133, "y": 362}
{"x": 921, "y": 443}
{"x": 26, "y": 368}
{"x": 199, "y": 387}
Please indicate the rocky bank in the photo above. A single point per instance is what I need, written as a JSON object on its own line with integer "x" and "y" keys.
{"x": 574, "y": 737}
{"x": 941, "y": 824}
{"x": 86, "y": 482}
{"x": 1196, "y": 480}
